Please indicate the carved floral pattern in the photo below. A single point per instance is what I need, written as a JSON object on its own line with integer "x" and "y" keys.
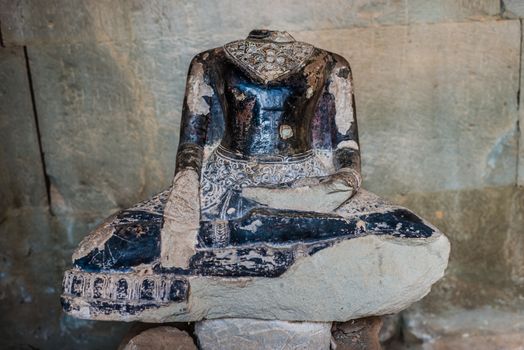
{"x": 268, "y": 60}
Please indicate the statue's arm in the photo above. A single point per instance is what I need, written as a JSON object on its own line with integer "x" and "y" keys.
{"x": 196, "y": 113}
{"x": 344, "y": 130}
{"x": 182, "y": 211}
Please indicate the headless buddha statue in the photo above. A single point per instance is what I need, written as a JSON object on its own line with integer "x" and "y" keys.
{"x": 267, "y": 170}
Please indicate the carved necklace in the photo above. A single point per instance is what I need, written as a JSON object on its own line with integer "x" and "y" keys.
{"x": 268, "y": 60}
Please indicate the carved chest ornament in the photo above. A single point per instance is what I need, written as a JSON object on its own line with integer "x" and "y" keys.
{"x": 268, "y": 60}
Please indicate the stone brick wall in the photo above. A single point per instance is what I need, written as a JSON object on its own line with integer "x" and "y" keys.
{"x": 90, "y": 98}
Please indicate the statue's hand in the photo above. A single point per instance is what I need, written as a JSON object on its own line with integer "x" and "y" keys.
{"x": 184, "y": 200}
{"x": 319, "y": 194}
{"x": 345, "y": 178}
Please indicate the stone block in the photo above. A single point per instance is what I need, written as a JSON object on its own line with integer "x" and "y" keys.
{"x": 160, "y": 338}
{"x": 512, "y": 8}
{"x": 32, "y": 260}
{"x": 28, "y": 22}
{"x": 480, "y": 297}
{"x": 22, "y": 177}
{"x": 487, "y": 255}
{"x": 437, "y": 104}
{"x": 109, "y": 116}
{"x": 251, "y": 334}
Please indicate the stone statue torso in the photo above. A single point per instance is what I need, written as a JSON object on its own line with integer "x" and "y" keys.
{"x": 269, "y": 118}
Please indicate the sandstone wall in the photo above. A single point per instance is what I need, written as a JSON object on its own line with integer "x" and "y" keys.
{"x": 90, "y": 100}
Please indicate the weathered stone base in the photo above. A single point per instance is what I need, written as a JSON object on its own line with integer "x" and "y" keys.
{"x": 360, "y": 277}
{"x": 250, "y": 334}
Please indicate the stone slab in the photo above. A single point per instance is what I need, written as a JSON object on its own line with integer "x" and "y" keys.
{"x": 360, "y": 277}
{"x": 436, "y": 104}
{"x": 252, "y": 334}
{"x": 22, "y": 181}
{"x": 28, "y": 22}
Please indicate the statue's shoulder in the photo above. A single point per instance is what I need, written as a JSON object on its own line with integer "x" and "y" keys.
{"x": 209, "y": 56}
{"x": 335, "y": 59}
{"x": 336, "y": 63}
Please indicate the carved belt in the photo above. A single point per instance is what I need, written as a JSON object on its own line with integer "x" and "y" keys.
{"x": 265, "y": 159}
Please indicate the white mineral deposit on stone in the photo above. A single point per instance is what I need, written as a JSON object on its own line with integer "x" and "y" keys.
{"x": 252, "y": 334}
{"x": 342, "y": 91}
{"x": 197, "y": 88}
{"x": 348, "y": 144}
{"x": 253, "y": 227}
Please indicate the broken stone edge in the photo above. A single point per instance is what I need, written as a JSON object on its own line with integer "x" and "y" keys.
{"x": 365, "y": 276}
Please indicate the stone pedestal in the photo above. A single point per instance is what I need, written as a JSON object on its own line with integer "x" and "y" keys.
{"x": 251, "y": 334}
